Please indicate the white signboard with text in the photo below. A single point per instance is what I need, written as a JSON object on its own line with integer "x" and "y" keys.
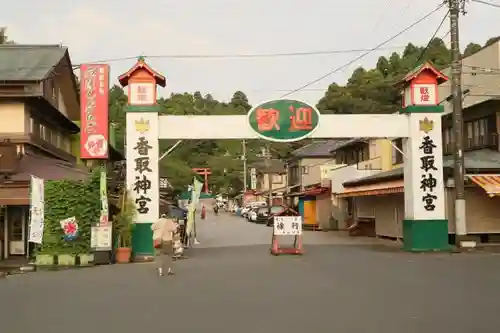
{"x": 424, "y": 182}
{"x": 101, "y": 237}
{"x": 287, "y": 225}
{"x": 142, "y": 93}
{"x": 142, "y": 164}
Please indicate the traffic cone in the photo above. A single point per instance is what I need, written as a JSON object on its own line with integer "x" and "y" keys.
{"x": 274, "y": 246}
{"x": 299, "y": 248}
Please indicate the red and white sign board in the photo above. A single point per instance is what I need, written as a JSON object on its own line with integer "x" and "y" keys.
{"x": 94, "y": 128}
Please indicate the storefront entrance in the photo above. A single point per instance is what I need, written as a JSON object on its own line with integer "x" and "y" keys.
{"x": 13, "y": 231}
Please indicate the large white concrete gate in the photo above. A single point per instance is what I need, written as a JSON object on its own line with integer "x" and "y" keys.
{"x": 425, "y": 227}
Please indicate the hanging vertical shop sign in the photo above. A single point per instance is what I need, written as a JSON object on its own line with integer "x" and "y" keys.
{"x": 94, "y": 89}
{"x": 37, "y": 204}
{"x": 253, "y": 179}
{"x": 142, "y": 166}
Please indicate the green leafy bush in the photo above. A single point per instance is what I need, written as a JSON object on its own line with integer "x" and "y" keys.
{"x": 124, "y": 221}
{"x": 65, "y": 199}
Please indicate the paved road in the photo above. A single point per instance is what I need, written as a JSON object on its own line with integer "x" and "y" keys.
{"x": 333, "y": 288}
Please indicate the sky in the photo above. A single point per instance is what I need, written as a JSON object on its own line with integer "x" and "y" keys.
{"x": 110, "y": 30}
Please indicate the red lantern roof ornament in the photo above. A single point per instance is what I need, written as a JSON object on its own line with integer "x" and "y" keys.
{"x": 425, "y": 67}
{"x": 141, "y": 64}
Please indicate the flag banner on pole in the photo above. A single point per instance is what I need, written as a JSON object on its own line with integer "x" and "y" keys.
{"x": 37, "y": 205}
{"x": 103, "y": 220}
{"x": 195, "y": 197}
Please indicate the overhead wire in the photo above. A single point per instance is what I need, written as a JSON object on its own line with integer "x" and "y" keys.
{"x": 377, "y": 47}
{"x": 432, "y": 38}
{"x": 487, "y": 3}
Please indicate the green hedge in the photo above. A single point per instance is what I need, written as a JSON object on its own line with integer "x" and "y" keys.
{"x": 64, "y": 199}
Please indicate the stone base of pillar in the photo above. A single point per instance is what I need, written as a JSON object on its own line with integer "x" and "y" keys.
{"x": 142, "y": 242}
{"x": 425, "y": 235}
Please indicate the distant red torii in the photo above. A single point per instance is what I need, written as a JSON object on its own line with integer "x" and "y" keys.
{"x": 205, "y": 172}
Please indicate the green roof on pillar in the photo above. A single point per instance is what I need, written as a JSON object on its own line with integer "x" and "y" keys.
{"x": 142, "y": 108}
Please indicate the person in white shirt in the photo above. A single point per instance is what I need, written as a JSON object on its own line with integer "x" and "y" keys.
{"x": 163, "y": 231}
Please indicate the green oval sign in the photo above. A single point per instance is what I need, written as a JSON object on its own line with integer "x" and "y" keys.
{"x": 284, "y": 120}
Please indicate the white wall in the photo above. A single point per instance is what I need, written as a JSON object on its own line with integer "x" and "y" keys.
{"x": 347, "y": 173}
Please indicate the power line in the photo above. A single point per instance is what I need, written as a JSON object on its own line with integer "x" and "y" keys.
{"x": 432, "y": 38}
{"x": 213, "y": 56}
{"x": 487, "y": 3}
{"x": 364, "y": 54}
{"x": 245, "y": 55}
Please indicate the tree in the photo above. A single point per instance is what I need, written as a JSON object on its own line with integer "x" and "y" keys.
{"x": 373, "y": 91}
{"x": 223, "y": 157}
{"x": 471, "y": 48}
{"x": 4, "y": 37}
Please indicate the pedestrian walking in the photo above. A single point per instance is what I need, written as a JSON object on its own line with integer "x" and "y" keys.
{"x": 203, "y": 212}
{"x": 163, "y": 231}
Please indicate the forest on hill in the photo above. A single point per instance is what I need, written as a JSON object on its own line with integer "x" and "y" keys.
{"x": 366, "y": 91}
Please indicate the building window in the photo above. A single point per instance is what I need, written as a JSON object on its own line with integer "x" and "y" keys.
{"x": 477, "y": 133}
{"x": 16, "y": 221}
{"x": 397, "y": 148}
{"x": 304, "y": 170}
{"x": 469, "y": 135}
{"x": 483, "y": 125}
{"x": 66, "y": 144}
{"x": 35, "y": 128}
{"x": 42, "y": 132}
{"x": 363, "y": 154}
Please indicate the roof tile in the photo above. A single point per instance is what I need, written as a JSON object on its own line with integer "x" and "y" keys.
{"x": 29, "y": 62}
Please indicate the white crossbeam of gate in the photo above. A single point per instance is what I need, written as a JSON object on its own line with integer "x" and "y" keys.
{"x": 237, "y": 127}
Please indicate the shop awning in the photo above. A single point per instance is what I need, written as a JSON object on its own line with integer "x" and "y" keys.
{"x": 489, "y": 183}
{"x": 310, "y": 192}
{"x": 388, "y": 187}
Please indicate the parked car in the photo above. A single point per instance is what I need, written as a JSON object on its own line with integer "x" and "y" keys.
{"x": 286, "y": 212}
{"x": 250, "y": 206}
{"x": 245, "y": 210}
{"x": 252, "y": 214}
{"x": 178, "y": 213}
{"x": 263, "y": 213}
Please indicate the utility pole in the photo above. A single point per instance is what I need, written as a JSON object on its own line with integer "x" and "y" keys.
{"x": 244, "y": 157}
{"x": 269, "y": 179}
{"x": 456, "y": 8}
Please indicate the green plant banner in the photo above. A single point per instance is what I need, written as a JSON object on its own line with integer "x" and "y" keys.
{"x": 67, "y": 198}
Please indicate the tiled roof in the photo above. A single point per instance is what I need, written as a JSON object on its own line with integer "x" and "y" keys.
{"x": 29, "y": 62}
{"x": 317, "y": 149}
{"x": 48, "y": 169}
{"x": 269, "y": 166}
{"x": 474, "y": 161}
{"x": 346, "y": 143}
{"x": 477, "y": 160}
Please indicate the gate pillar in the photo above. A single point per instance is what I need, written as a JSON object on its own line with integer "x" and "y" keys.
{"x": 142, "y": 153}
{"x": 425, "y": 227}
